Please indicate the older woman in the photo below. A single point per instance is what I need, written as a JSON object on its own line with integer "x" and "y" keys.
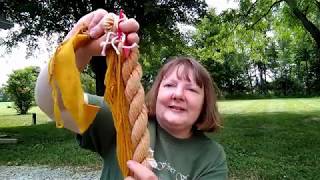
{"x": 181, "y": 104}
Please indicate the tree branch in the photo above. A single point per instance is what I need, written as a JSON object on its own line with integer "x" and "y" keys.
{"x": 317, "y": 4}
{"x": 250, "y": 8}
{"x": 265, "y": 14}
{"x": 307, "y": 24}
{"x": 245, "y": 15}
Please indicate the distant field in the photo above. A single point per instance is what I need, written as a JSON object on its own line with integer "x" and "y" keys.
{"x": 263, "y": 139}
{"x": 9, "y": 117}
{"x": 294, "y": 105}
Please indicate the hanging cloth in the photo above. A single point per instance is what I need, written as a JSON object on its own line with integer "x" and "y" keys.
{"x": 64, "y": 78}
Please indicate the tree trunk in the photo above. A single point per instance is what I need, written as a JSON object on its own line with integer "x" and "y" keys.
{"x": 249, "y": 79}
{"x": 308, "y": 25}
{"x": 98, "y": 63}
{"x": 265, "y": 78}
{"x": 99, "y": 67}
{"x": 307, "y": 81}
{"x": 261, "y": 73}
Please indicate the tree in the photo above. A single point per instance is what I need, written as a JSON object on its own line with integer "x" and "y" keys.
{"x": 43, "y": 18}
{"x": 304, "y": 13}
{"x": 20, "y": 87}
{"x": 232, "y": 53}
{"x": 261, "y": 48}
{"x": 87, "y": 81}
{"x": 3, "y": 95}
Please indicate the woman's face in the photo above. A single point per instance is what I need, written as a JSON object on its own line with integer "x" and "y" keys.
{"x": 179, "y": 103}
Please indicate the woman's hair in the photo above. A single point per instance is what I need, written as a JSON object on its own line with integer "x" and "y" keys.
{"x": 209, "y": 119}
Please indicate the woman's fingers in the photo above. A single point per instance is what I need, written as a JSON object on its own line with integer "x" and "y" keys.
{"x": 95, "y": 23}
{"x": 129, "y": 26}
{"x": 83, "y": 21}
{"x": 90, "y": 20}
{"x": 96, "y": 28}
{"x": 133, "y": 38}
{"x": 129, "y": 178}
{"x": 98, "y": 15}
{"x": 141, "y": 172}
{"x": 94, "y": 46}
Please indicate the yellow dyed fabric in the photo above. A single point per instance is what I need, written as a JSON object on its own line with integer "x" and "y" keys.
{"x": 64, "y": 78}
{"x": 115, "y": 96}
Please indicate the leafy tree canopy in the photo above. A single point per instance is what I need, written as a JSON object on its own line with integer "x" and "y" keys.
{"x": 43, "y": 18}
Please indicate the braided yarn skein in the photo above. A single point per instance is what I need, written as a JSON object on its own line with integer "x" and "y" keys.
{"x": 134, "y": 108}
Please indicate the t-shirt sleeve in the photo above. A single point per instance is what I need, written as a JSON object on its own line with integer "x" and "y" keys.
{"x": 100, "y": 136}
{"x": 219, "y": 169}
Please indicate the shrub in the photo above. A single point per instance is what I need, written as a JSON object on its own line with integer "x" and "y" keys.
{"x": 20, "y": 88}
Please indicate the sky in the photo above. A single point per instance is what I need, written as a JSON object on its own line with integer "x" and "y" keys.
{"x": 17, "y": 59}
{"x": 221, "y": 5}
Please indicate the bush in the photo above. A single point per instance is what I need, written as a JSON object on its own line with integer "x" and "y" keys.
{"x": 20, "y": 87}
{"x": 88, "y": 83}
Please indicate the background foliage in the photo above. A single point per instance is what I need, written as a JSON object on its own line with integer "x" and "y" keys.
{"x": 4, "y": 97}
{"x": 262, "y": 49}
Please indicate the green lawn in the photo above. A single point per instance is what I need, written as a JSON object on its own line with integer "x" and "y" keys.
{"x": 272, "y": 139}
{"x": 9, "y": 117}
{"x": 41, "y": 144}
{"x": 263, "y": 139}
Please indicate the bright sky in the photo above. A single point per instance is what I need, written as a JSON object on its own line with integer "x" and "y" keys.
{"x": 221, "y": 5}
{"x": 17, "y": 59}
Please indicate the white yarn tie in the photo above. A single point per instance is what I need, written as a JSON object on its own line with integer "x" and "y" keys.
{"x": 115, "y": 40}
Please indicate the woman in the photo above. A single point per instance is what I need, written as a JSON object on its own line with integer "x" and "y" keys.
{"x": 181, "y": 104}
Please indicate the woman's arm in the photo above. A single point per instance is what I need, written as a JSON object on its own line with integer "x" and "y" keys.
{"x": 44, "y": 100}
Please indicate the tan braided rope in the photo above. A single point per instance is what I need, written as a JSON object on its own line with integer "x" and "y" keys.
{"x": 134, "y": 92}
{"x": 138, "y": 113}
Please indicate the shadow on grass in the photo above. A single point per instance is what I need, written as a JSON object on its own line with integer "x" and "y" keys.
{"x": 7, "y": 115}
{"x": 17, "y": 114}
{"x": 46, "y": 145}
{"x": 272, "y": 145}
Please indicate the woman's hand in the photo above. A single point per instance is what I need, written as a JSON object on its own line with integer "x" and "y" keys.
{"x": 94, "y": 21}
{"x": 140, "y": 172}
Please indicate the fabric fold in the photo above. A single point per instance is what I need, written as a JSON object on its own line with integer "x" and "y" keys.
{"x": 64, "y": 78}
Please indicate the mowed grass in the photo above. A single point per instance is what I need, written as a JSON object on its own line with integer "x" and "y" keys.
{"x": 9, "y": 117}
{"x": 290, "y": 105}
{"x": 263, "y": 139}
{"x": 41, "y": 144}
{"x": 271, "y": 139}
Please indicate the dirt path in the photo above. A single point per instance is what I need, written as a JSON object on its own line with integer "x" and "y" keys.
{"x": 46, "y": 173}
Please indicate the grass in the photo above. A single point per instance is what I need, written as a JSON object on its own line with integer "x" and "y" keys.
{"x": 9, "y": 117}
{"x": 272, "y": 139}
{"x": 263, "y": 139}
{"x": 40, "y": 144}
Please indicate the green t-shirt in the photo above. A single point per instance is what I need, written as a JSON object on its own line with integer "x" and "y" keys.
{"x": 197, "y": 157}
